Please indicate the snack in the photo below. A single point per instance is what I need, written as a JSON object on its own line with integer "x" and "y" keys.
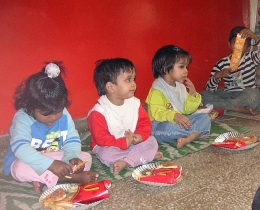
{"x": 167, "y": 176}
{"x": 237, "y": 53}
{"x": 56, "y": 195}
{"x": 165, "y": 173}
{"x": 66, "y": 203}
{"x": 76, "y": 195}
{"x": 229, "y": 143}
{"x": 215, "y": 113}
{"x": 248, "y": 139}
{"x": 57, "y": 200}
{"x": 76, "y": 167}
{"x": 237, "y": 142}
{"x": 168, "y": 165}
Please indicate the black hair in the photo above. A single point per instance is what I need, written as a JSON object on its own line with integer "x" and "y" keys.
{"x": 165, "y": 58}
{"x": 236, "y": 30}
{"x": 107, "y": 70}
{"x": 41, "y": 92}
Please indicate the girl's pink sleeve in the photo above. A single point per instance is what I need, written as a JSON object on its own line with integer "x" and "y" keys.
{"x": 99, "y": 132}
{"x": 144, "y": 126}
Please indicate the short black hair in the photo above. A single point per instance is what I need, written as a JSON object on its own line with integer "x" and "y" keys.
{"x": 165, "y": 58}
{"x": 107, "y": 70}
{"x": 236, "y": 30}
{"x": 38, "y": 91}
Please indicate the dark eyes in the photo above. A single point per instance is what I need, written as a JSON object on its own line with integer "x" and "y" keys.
{"x": 130, "y": 79}
{"x": 182, "y": 67}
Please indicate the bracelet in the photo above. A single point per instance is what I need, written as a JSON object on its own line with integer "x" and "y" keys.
{"x": 256, "y": 42}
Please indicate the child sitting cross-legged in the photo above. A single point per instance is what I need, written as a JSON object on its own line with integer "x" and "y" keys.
{"x": 240, "y": 93}
{"x": 119, "y": 125}
{"x": 172, "y": 109}
{"x": 44, "y": 146}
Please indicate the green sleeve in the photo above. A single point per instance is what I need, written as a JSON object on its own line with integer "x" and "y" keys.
{"x": 192, "y": 103}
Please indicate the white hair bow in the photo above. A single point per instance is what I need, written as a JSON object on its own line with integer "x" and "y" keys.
{"x": 52, "y": 70}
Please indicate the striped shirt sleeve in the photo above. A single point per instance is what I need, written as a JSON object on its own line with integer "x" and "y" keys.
{"x": 247, "y": 69}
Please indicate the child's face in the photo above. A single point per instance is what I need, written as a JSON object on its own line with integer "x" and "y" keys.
{"x": 232, "y": 43}
{"x": 178, "y": 73}
{"x": 125, "y": 87}
{"x": 47, "y": 120}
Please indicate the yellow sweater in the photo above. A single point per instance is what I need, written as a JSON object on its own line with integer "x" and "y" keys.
{"x": 160, "y": 109}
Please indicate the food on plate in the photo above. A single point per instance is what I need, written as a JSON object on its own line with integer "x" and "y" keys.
{"x": 168, "y": 165}
{"x": 56, "y": 195}
{"x": 202, "y": 107}
{"x": 76, "y": 195}
{"x": 72, "y": 191}
{"x": 216, "y": 113}
{"x": 165, "y": 173}
{"x": 57, "y": 200}
{"x": 248, "y": 139}
{"x": 236, "y": 142}
{"x": 66, "y": 203}
{"x": 167, "y": 176}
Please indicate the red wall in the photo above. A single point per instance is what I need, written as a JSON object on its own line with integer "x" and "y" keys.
{"x": 79, "y": 32}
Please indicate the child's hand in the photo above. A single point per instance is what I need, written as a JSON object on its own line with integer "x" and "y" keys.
{"x": 129, "y": 138}
{"x": 222, "y": 73}
{"x": 60, "y": 169}
{"x": 189, "y": 85}
{"x": 245, "y": 33}
{"x": 182, "y": 120}
{"x": 137, "y": 139}
{"x": 74, "y": 162}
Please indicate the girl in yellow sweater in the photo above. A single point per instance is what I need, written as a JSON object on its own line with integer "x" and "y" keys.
{"x": 172, "y": 100}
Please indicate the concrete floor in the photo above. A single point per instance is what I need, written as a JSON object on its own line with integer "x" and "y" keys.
{"x": 217, "y": 179}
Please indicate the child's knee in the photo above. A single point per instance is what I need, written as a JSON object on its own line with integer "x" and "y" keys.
{"x": 14, "y": 169}
{"x": 86, "y": 156}
{"x": 17, "y": 170}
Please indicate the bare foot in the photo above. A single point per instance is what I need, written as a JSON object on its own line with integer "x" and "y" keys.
{"x": 158, "y": 156}
{"x": 37, "y": 187}
{"x": 82, "y": 177}
{"x": 119, "y": 166}
{"x": 182, "y": 142}
{"x": 88, "y": 176}
{"x": 243, "y": 109}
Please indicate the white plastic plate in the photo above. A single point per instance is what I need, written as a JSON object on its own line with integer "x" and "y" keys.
{"x": 224, "y": 136}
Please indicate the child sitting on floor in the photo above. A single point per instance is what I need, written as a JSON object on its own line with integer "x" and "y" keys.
{"x": 119, "y": 125}
{"x": 240, "y": 93}
{"x": 44, "y": 145}
{"x": 170, "y": 107}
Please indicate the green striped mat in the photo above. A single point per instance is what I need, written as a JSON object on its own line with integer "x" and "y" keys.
{"x": 169, "y": 150}
{"x": 16, "y": 195}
